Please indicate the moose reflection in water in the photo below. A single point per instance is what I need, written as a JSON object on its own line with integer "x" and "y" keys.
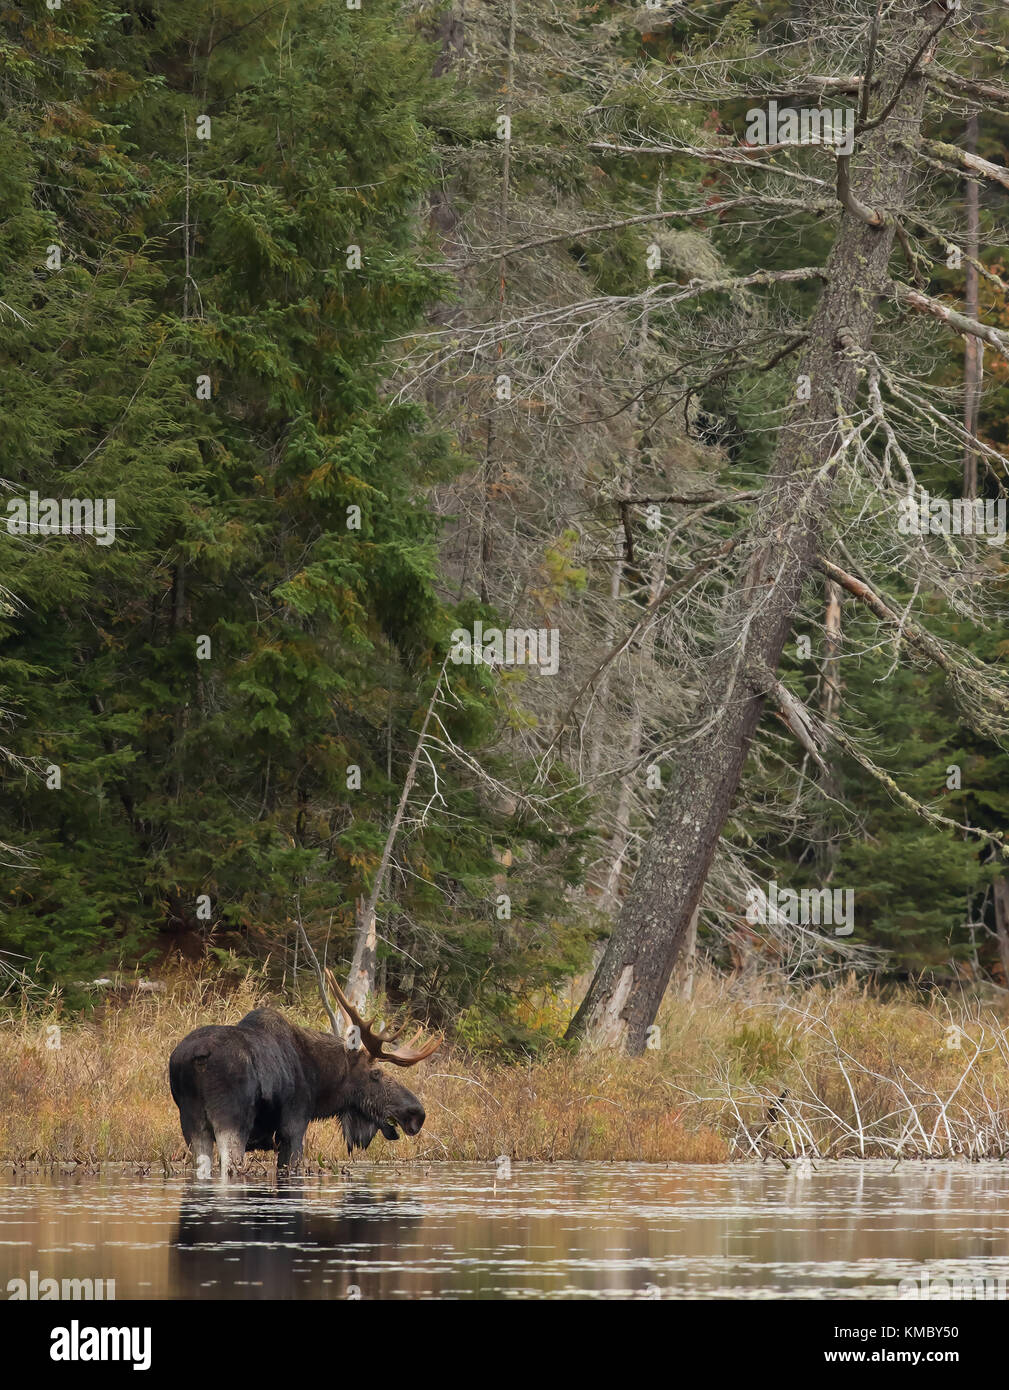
{"x": 258, "y": 1084}
{"x": 267, "y": 1242}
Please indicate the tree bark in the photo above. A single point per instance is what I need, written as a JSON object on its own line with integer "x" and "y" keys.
{"x": 973, "y": 349}
{"x": 831, "y": 701}
{"x": 1000, "y": 894}
{"x": 635, "y": 969}
{"x": 830, "y": 706}
{"x": 689, "y": 956}
{"x": 620, "y": 841}
{"x": 491, "y": 469}
{"x": 361, "y": 980}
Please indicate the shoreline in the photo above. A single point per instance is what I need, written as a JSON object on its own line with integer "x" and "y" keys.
{"x": 774, "y": 1074}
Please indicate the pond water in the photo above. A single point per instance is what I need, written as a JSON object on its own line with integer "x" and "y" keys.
{"x": 565, "y": 1230}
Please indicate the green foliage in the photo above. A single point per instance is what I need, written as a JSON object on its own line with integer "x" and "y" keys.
{"x": 267, "y": 616}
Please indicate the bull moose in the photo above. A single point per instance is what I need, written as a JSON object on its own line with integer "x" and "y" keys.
{"x": 257, "y": 1084}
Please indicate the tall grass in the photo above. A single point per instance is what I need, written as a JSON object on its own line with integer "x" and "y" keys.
{"x": 772, "y": 1074}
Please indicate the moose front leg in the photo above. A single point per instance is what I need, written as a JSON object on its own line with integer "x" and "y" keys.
{"x": 289, "y": 1146}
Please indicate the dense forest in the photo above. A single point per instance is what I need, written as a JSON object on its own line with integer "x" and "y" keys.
{"x": 465, "y": 471}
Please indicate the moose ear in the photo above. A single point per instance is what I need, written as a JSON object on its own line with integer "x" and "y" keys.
{"x": 358, "y": 1130}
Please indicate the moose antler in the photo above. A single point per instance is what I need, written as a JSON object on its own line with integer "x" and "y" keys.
{"x": 373, "y": 1040}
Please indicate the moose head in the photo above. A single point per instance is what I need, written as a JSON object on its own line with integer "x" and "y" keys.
{"x": 370, "y": 1099}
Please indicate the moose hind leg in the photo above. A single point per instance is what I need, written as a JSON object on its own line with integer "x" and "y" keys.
{"x": 202, "y": 1148}
{"x": 199, "y": 1136}
{"x": 231, "y": 1147}
{"x": 231, "y": 1110}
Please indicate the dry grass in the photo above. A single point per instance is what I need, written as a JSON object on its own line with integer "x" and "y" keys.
{"x": 828, "y": 1074}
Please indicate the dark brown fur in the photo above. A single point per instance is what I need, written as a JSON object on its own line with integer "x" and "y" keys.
{"x": 258, "y": 1084}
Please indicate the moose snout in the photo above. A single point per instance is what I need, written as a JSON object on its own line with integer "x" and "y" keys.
{"x": 413, "y": 1120}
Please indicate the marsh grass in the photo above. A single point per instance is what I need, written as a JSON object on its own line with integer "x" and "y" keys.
{"x": 773, "y": 1074}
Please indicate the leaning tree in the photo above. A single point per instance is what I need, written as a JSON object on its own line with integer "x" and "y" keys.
{"x": 850, "y": 428}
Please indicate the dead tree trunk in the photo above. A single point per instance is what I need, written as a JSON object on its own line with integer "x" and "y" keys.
{"x": 830, "y": 706}
{"x": 361, "y": 980}
{"x": 491, "y": 468}
{"x": 620, "y": 842}
{"x": 831, "y": 702}
{"x": 973, "y": 347}
{"x": 1000, "y": 894}
{"x": 632, "y": 977}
